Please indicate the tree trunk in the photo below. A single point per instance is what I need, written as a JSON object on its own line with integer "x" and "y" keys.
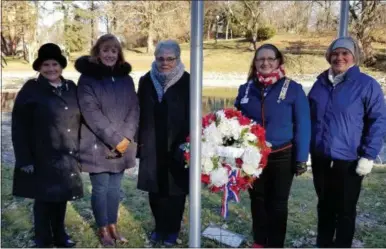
{"x": 253, "y": 39}
{"x": 24, "y": 47}
{"x": 226, "y": 30}
{"x": 367, "y": 49}
{"x": 364, "y": 23}
{"x": 150, "y": 44}
{"x": 216, "y": 33}
{"x": 4, "y": 45}
{"x": 107, "y": 24}
{"x": 92, "y": 8}
{"x": 209, "y": 30}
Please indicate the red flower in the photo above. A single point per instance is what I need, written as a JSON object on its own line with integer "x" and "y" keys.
{"x": 230, "y": 113}
{"x": 239, "y": 162}
{"x": 245, "y": 182}
{"x": 265, "y": 151}
{"x": 186, "y": 156}
{"x": 215, "y": 189}
{"x": 259, "y": 132}
{"x": 244, "y": 120}
{"x": 205, "y": 179}
{"x": 208, "y": 119}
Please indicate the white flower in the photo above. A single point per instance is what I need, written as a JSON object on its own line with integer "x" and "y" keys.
{"x": 252, "y": 170}
{"x": 249, "y": 169}
{"x": 249, "y": 137}
{"x": 258, "y": 172}
{"x": 229, "y": 152}
{"x": 212, "y": 135}
{"x": 219, "y": 177}
{"x": 251, "y": 156}
{"x": 225, "y": 128}
{"x": 207, "y": 165}
{"x": 208, "y": 149}
{"x": 221, "y": 115}
{"x": 235, "y": 128}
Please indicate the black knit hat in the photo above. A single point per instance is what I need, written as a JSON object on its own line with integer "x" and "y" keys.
{"x": 49, "y": 51}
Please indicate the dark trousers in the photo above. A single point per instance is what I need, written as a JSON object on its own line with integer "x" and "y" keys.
{"x": 105, "y": 197}
{"x": 269, "y": 200}
{"x": 49, "y": 222}
{"x": 338, "y": 188}
{"x": 167, "y": 211}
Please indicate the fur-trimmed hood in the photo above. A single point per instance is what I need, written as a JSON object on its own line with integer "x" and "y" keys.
{"x": 85, "y": 66}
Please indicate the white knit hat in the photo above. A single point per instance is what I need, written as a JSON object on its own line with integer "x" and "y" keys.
{"x": 347, "y": 43}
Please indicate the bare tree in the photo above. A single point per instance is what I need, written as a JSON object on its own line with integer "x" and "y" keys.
{"x": 148, "y": 18}
{"x": 246, "y": 14}
{"x": 19, "y": 23}
{"x": 364, "y": 16}
{"x": 326, "y": 20}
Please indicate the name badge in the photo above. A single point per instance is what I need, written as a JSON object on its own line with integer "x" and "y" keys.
{"x": 244, "y": 100}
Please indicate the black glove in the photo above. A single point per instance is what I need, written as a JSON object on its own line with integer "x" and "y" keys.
{"x": 29, "y": 169}
{"x": 301, "y": 168}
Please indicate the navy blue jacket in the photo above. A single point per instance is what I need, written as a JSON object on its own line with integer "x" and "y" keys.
{"x": 348, "y": 120}
{"x": 45, "y": 134}
{"x": 285, "y": 121}
{"x": 110, "y": 110}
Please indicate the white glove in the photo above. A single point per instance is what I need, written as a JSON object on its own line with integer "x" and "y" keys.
{"x": 364, "y": 166}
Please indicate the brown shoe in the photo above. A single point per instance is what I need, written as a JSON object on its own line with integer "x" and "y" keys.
{"x": 115, "y": 234}
{"x": 105, "y": 237}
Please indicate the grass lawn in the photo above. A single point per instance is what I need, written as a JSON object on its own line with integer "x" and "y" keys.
{"x": 136, "y": 221}
{"x": 304, "y": 55}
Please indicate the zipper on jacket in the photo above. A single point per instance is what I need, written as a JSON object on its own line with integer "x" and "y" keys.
{"x": 262, "y": 107}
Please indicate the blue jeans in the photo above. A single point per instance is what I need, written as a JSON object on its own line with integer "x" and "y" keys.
{"x": 105, "y": 197}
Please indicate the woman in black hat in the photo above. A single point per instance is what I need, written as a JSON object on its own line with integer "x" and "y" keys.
{"x": 45, "y": 136}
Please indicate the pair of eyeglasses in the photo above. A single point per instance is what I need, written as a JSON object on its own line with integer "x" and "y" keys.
{"x": 269, "y": 59}
{"x": 167, "y": 59}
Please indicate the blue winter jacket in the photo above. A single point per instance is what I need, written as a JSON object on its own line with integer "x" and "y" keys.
{"x": 348, "y": 120}
{"x": 286, "y": 121}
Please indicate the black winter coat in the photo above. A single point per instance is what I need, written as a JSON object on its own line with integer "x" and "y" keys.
{"x": 163, "y": 128}
{"x": 45, "y": 134}
{"x": 109, "y": 106}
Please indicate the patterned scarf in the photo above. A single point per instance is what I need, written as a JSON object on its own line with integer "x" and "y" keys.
{"x": 162, "y": 81}
{"x": 272, "y": 77}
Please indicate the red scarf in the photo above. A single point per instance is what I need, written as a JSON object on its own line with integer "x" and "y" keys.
{"x": 272, "y": 77}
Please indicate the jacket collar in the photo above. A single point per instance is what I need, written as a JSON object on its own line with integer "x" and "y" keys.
{"x": 351, "y": 74}
{"x": 98, "y": 70}
{"x": 45, "y": 82}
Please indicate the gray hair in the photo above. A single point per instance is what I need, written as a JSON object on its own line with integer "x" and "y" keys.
{"x": 168, "y": 45}
{"x": 356, "y": 52}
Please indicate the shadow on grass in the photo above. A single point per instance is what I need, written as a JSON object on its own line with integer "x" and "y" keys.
{"x": 16, "y": 214}
{"x": 214, "y": 46}
{"x": 82, "y": 207}
{"x": 135, "y": 218}
{"x": 135, "y": 51}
